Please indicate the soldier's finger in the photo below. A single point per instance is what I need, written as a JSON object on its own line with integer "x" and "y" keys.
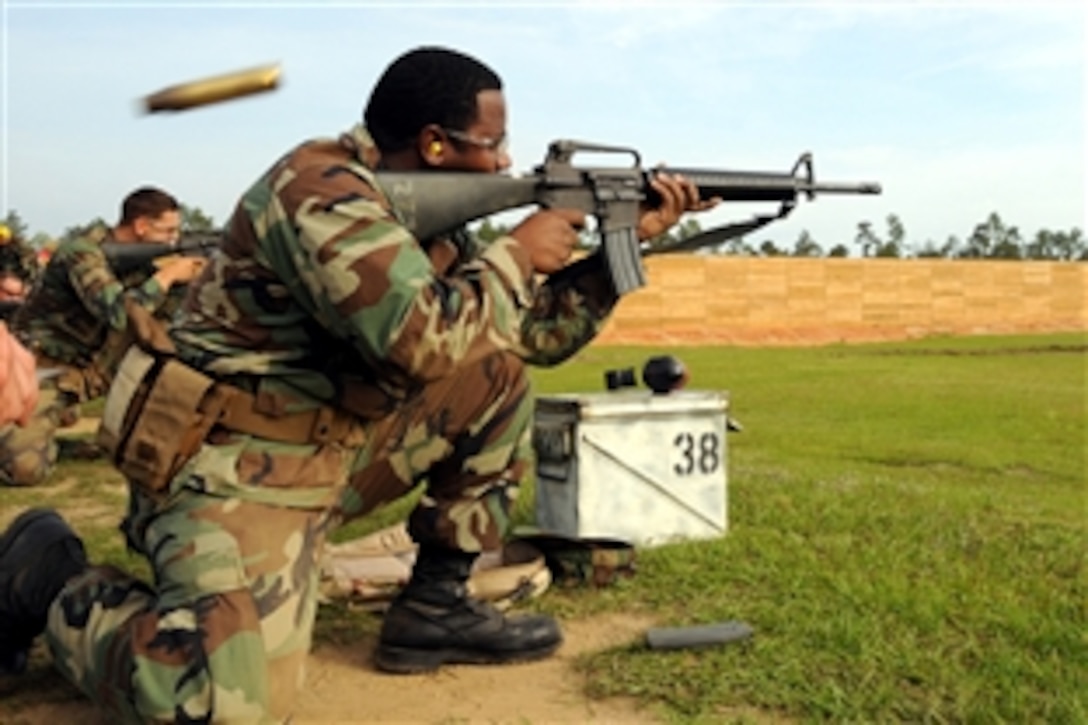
{"x": 672, "y": 200}
{"x": 575, "y": 217}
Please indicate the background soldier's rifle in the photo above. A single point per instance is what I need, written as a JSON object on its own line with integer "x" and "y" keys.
{"x": 148, "y": 256}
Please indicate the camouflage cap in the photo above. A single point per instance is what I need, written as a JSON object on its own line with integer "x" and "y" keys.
{"x": 372, "y": 570}
{"x": 576, "y": 561}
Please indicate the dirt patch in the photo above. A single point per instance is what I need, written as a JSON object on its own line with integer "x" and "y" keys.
{"x": 343, "y": 686}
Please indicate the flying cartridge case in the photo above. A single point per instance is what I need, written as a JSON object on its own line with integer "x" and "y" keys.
{"x": 214, "y": 89}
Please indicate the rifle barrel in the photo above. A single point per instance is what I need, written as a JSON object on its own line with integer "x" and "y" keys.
{"x": 765, "y": 186}
{"x": 833, "y": 187}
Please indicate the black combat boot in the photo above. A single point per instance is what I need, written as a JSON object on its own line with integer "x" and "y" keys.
{"x": 38, "y": 554}
{"x": 433, "y": 622}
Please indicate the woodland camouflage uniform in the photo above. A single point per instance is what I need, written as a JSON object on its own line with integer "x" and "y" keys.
{"x": 17, "y": 258}
{"x": 67, "y": 321}
{"x": 17, "y": 261}
{"x": 318, "y": 298}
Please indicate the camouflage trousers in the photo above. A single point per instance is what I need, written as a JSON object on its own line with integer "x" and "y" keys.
{"x": 28, "y": 453}
{"x": 233, "y": 544}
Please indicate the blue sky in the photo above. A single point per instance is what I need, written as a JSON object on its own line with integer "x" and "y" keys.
{"x": 958, "y": 109}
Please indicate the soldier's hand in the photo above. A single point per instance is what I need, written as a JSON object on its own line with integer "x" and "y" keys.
{"x": 550, "y": 236}
{"x": 18, "y": 380}
{"x": 678, "y": 195}
{"x": 443, "y": 254}
{"x": 180, "y": 270}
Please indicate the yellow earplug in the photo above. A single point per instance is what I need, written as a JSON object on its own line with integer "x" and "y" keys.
{"x": 435, "y": 148}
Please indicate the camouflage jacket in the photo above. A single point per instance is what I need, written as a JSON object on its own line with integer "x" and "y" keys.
{"x": 319, "y": 294}
{"x": 78, "y": 301}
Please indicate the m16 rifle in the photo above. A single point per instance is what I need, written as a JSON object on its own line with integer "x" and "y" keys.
{"x": 125, "y": 258}
{"x": 432, "y": 205}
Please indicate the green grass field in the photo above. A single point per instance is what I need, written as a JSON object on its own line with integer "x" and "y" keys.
{"x": 907, "y": 537}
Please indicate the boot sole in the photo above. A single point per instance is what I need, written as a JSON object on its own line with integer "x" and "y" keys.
{"x": 14, "y": 645}
{"x": 13, "y": 658}
{"x": 407, "y": 661}
{"x": 22, "y": 522}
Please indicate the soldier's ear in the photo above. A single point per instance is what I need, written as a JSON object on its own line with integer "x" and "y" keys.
{"x": 432, "y": 145}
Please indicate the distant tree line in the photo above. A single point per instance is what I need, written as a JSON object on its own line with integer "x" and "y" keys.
{"x": 990, "y": 239}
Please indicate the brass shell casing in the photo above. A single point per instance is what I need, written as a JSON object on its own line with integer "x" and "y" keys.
{"x": 214, "y": 89}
